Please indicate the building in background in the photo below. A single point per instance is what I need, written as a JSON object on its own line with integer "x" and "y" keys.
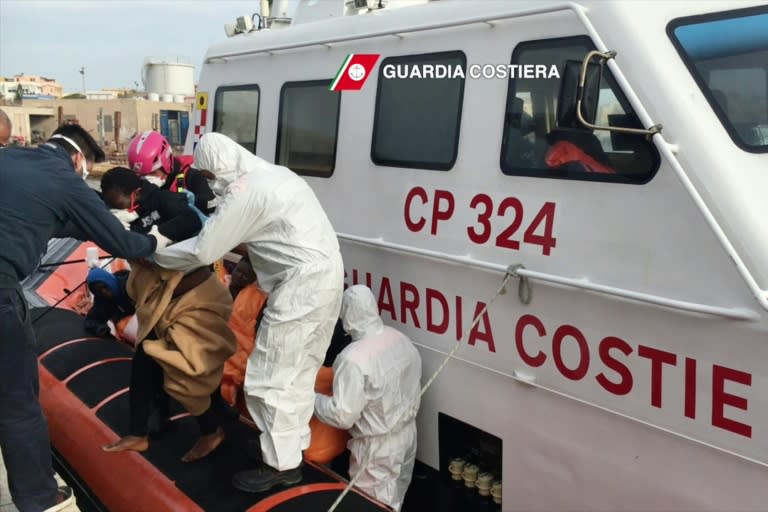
{"x": 29, "y": 87}
{"x": 102, "y": 95}
{"x": 112, "y": 116}
{"x": 112, "y": 122}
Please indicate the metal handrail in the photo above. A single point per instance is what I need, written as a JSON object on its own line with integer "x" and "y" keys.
{"x": 605, "y": 56}
{"x": 666, "y": 149}
{"x": 580, "y": 283}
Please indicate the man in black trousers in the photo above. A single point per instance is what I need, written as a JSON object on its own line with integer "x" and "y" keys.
{"x": 42, "y": 195}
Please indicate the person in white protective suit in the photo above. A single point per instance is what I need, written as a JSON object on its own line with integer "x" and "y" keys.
{"x": 376, "y": 394}
{"x": 295, "y": 254}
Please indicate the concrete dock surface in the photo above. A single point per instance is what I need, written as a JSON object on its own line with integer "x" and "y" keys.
{"x": 6, "y": 505}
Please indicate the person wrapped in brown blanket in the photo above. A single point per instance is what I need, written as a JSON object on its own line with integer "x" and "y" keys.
{"x": 183, "y": 341}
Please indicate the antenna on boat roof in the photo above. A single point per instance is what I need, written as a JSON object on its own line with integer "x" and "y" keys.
{"x": 277, "y": 18}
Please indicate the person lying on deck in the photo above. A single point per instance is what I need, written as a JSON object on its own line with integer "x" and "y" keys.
{"x": 183, "y": 338}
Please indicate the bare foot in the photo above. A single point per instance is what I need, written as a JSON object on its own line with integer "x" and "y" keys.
{"x": 128, "y": 443}
{"x": 204, "y": 446}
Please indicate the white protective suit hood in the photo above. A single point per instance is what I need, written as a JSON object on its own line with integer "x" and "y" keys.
{"x": 225, "y": 158}
{"x": 376, "y": 396}
{"x": 360, "y": 313}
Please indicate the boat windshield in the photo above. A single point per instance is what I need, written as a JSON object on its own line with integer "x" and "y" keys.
{"x": 727, "y": 54}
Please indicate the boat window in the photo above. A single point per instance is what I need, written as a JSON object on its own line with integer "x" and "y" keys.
{"x": 418, "y": 115}
{"x": 534, "y": 145}
{"x": 308, "y": 127}
{"x": 727, "y": 54}
{"x": 236, "y": 114}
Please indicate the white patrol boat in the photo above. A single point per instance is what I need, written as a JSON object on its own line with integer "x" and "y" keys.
{"x": 564, "y": 202}
{"x": 623, "y": 191}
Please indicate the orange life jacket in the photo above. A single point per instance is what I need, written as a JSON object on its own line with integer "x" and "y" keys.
{"x": 180, "y": 183}
{"x": 245, "y": 311}
{"x": 564, "y": 152}
{"x": 327, "y": 442}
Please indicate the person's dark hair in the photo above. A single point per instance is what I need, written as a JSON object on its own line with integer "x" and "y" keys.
{"x": 82, "y": 138}
{"x": 5, "y": 120}
{"x": 339, "y": 342}
{"x": 121, "y": 179}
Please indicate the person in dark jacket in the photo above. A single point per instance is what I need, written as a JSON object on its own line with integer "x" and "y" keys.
{"x": 149, "y": 403}
{"x": 151, "y": 157}
{"x": 150, "y": 205}
{"x": 110, "y": 300}
{"x": 42, "y": 195}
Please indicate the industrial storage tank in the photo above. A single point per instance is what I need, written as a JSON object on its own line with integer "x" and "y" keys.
{"x": 168, "y": 77}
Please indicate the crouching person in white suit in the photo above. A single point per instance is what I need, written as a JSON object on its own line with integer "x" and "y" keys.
{"x": 376, "y": 393}
{"x": 295, "y": 254}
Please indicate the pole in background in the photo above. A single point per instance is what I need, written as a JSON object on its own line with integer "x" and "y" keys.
{"x": 101, "y": 126}
{"x": 116, "y": 125}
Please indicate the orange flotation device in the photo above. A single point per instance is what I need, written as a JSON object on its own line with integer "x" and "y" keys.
{"x": 245, "y": 311}
{"x": 327, "y": 442}
{"x": 564, "y": 152}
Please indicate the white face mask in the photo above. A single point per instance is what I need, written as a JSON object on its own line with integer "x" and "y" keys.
{"x": 158, "y": 182}
{"x": 84, "y": 166}
{"x": 83, "y": 163}
{"x": 218, "y": 186}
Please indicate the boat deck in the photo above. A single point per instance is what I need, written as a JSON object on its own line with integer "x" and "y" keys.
{"x": 84, "y": 383}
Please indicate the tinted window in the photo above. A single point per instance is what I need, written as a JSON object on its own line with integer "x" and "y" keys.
{"x": 417, "y": 119}
{"x": 236, "y": 114}
{"x": 308, "y": 127}
{"x": 727, "y": 53}
{"x": 535, "y": 145}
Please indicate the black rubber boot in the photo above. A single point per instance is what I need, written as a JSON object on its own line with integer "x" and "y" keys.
{"x": 264, "y": 477}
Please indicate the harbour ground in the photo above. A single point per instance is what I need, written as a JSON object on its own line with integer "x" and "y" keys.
{"x": 6, "y": 505}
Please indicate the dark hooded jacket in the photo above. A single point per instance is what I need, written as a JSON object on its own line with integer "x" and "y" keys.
{"x": 168, "y": 210}
{"x": 113, "y": 308}
{"x": 42, "y": 197}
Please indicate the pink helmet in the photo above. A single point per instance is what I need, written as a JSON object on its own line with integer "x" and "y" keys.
{"x": 148, "y": 152}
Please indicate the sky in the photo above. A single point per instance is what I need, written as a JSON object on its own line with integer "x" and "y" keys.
{"x": 110, "y": 38}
